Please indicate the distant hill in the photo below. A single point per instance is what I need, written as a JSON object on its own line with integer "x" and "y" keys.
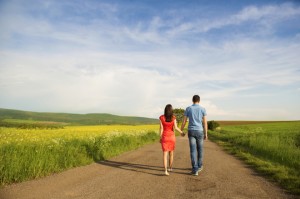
{"x": 75, "y": 119}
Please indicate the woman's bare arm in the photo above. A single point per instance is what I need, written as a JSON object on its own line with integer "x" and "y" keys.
{"x": 176, "y": 127}
{"x": 161, "y": 130}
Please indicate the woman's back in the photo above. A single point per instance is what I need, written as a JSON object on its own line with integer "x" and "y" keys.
{"x": 168, "y": 126}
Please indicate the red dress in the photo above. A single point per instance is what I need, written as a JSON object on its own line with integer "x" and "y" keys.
{"x": 168, "y": 136}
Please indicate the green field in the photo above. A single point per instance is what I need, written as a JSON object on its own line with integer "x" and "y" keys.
{"x": 74, "y": 119}
{"x": 35, "y": 144}
{"x": 31, "y": 153}
{"x": 273, "y": 149}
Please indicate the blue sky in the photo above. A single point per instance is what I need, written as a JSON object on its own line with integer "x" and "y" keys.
{"x": 134, "y": 57}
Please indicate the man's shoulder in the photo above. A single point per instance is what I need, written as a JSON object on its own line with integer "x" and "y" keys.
{"x": 198, "y": 108}
{"x": 203, "y": 110}
{"x": 189, "y": 108}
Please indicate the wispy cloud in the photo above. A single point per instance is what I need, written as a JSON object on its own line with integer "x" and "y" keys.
{"x": 91, "y": 59}
{"x": 265, "y": 16}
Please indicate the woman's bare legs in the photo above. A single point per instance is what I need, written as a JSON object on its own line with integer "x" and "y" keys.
{"x": 171, "y": 157}
{"x": 166, "y": 162}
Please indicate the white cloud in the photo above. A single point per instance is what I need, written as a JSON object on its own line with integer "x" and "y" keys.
{"x": 137, "y": 69}
{"x": 269, "y": 12}
{"x": 136, "y": 83}
{"x": 266, "y": 16}
{"x": 213, "y": 110}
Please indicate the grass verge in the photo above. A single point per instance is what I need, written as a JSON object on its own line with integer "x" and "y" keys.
{"x": 271, "y": 149}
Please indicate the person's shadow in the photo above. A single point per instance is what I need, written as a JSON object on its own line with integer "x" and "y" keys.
{"x": 142, "y": 168}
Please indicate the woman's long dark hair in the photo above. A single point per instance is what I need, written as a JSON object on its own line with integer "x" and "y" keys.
{"x": 169, "y": 113}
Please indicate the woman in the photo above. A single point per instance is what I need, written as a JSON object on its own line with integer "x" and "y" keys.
{"x": 167, "y": 136}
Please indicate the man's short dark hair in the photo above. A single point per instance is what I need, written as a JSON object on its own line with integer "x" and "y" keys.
{"x": 196, "y": 98}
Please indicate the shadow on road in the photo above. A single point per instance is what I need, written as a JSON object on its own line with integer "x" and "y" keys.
{"x": 141, "y": 168}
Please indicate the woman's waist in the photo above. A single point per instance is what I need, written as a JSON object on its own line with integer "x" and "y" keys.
{"x": 166, "y": 133}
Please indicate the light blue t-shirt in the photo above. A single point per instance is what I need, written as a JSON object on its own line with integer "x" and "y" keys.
{"x": 195, "y": 114}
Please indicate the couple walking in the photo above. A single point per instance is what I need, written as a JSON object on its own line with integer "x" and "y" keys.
{"x": 197, "y": 131}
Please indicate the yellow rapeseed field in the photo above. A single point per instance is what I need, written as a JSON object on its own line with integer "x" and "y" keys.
{"x": 20, "y": 136}
{"x": 30, "y": 153}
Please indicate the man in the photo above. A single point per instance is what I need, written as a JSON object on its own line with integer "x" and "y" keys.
{"x": 197, "y": 131}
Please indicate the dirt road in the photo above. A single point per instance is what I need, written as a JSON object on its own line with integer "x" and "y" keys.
{"x": 139, "y": 174}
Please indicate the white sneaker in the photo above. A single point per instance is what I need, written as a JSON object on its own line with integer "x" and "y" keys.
{"x": 200, "y": 169}
{"x": 195, "y": 173}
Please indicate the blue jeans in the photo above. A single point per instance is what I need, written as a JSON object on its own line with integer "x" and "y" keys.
{"x": 196, "y": 148}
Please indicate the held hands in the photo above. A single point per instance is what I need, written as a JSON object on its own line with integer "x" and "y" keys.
{"x": 182, "y": 134}
{"x": 205, "y": 137}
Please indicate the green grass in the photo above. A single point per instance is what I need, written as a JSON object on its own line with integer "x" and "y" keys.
{"x": 41, "y": 152}
{"x": 273, "y": 149}
{"x": 75, "y": 119}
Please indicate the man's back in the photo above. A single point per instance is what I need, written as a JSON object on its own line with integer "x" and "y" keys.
{"x": 195, "y": 113}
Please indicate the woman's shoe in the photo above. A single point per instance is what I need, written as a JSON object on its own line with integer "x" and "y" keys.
{"x": 166, "y": 173}
{"x": 170, "y": 169}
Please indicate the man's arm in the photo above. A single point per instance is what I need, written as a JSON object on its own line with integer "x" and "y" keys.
{"x": 204, "y": 122}
{"x": 183, "y": 122}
